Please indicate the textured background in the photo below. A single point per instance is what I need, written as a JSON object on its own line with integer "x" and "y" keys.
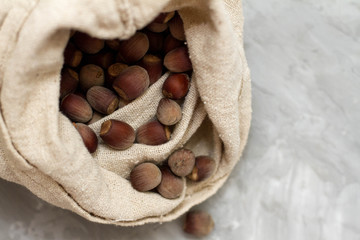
{"x": 299, "y": 177}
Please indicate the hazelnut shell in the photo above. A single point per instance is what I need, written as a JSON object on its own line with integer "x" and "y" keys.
{"x": 182, "y": 162}
{"x": 145, "y": 176}
{"x": 88, "y": 136}
{"x": 117, "y": 134}
{"x": 171, "y": 186}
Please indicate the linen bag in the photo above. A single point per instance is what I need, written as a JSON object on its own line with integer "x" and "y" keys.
{"x": 41, "y": 149}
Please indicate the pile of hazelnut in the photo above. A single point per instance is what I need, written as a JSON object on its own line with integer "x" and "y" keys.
{"x": 100, "y": 76}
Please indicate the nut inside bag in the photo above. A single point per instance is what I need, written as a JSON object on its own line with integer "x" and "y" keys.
{"x": 43, "y": 151}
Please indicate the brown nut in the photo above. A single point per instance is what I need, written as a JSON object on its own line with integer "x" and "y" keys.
{"x": 96, "y": 117}
{"x": 113, "y": 44}
{"x": 157, "y": 27}
{"x": 76, "y": 108}
{"x": 87, "y": 43}
{"x": 164, "y": 17}
{"x": 88, "y": 136}
{"x": 178, "y": 60}
{"x": 145, "y": 177}
{"x": 123, "y": 103}
{"x": 69, "y": 81}
{"x": 203, "y": 169}
{"x": 131, "y": 82}
{"x": 91, "y": 75}
{"x": 102, "y": 59}
{"x": 170, "y": 186}
{"x": 156, "y": 41}
{"x": 153, "y": 65}
{"x": 198, "y": 223}
{"x": 117, "y": 134}
{"x": 170, "y": 43}
{"x": 182, "y": 162}
{"x": 176, "y": 86}
{"x": 176, "y": 27}
{"x": 133, "y": 49}
{"x": 168, "y": 112}
{"x": 113, "y": 71}
{"x": 102, "y": 99}
{"x": 72, "y": 56}
{"x": 153, "y": 133}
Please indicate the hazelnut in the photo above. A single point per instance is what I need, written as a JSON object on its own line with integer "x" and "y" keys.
{"x": 203, "y": 169}
{"x": 170, "y": 43}
{"x": 102, "y": 59}
{"x": 164, "y": 17}
{"x": 113, "y": 71}
{"x": 69, "y": 81}
{"x": 157, "y": 27}
{"x": 153, "y": 133}
{"x": 113, "y": 44}
{"x": 131, "y": 82}
{"x": 176, "y": 27}
{"x": 72, "y": 56}
{"x": 176, "y": 86}
{"x": 91, "y": 75}
{"x": 134, "y": 48}
{"x": 123, "y": 103}
{"x": 76, "y": 108}
{"x": 168, "y": 112}
{"x": 156, "y": 41}
{"x": 145, "y": 177}
{"x": 87, "y": 43}
{"x": 178, "y": 60}
{"x": 153, "y": 65}
{"x": 198, "y": 223}
{"x": 117, "y": 134}
{"x": 102, "y": 99}
{"x": 88, "y": 136}
{"x": 182, "y": 162}
{"x": 170, "y": 186}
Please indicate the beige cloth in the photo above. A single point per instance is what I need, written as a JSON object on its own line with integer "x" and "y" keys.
{"x": 41, "y": 150}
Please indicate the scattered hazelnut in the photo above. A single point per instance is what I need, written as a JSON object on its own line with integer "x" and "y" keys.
{"x": 170, "y": 186}
{"x": 170, "y": 43}
{"x": 176, "y": 86}
{"x": 72, "y": 56}
{"x": 157, "y": 27}
{"x": 69, "y": 81}
{"x": 117, "y": 134}
{"x": 102, "y": 99}
{"x": 145, "y": 177}
{"x": 88, "y": 136}
{"x": 198, "y": 223}
{"x": 176, "y": 27}
{"x": 131, "y": 82}
{"x": 134, "y": 48}
{"x": 168, "y": 112}
{"x": 156, "y": 41}
{"x": 102, "y": 59}
{"x": 182, "y": 162}
{"x": 164, "y": 17}
{"x": 76, "y": 108}
{"x": 153, "y": 133}
{"x": 91, "y": 75}
{"x": 178, "y": 60}
{"x": 203, "y": 169}
{"x": 87, "y": 43}
{"x": 153, "y": 65}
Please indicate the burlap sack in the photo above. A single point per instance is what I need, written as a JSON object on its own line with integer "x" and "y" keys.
{"x": 41, "y": 150}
